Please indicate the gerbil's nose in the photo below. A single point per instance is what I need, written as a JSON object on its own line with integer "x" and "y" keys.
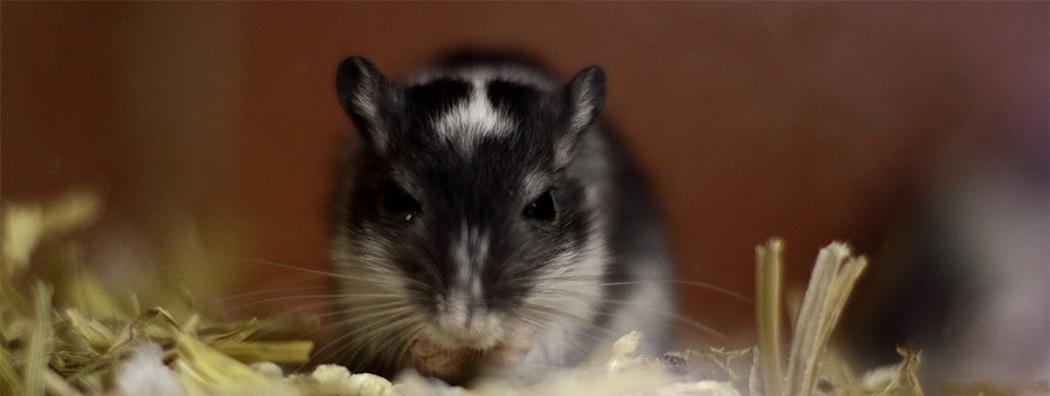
{"x": 465, "y": 323}
{"x": 459, "y": 315}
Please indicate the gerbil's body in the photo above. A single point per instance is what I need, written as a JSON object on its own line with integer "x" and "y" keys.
{"x": 489, "y": 222}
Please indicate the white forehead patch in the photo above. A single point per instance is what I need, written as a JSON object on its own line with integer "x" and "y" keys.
{"x": 472, "y": 120}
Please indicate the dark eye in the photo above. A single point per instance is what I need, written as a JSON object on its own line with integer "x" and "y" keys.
{"x": 542, "y": 208}
{"x": 399, "y": 202}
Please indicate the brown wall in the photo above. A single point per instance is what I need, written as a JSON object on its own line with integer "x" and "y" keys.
{"x": 809, "y": 121}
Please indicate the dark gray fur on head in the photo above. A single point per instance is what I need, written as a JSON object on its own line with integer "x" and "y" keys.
{"x": 488, "y": 207}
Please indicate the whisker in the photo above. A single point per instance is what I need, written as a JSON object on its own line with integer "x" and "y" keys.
{"x": 702, "y": 285}
{"x": 370, "y": 315}
{"x": 370, "y": 307}
{"x": 285, "y": 266}
{"x": 392, "y": 317}
{"x": 670, "y": 315}
{"x": 697, "y": 325}
{"x": 329, "y": 274}
{"x": 338, "y": 341}
{"x": 361, "y": 341}
{"x": 262, "y": 292}
{"x": 373, "y": 306}
{"x": 286, "y": 298}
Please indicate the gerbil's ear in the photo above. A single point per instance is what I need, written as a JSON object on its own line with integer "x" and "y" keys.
{"x": 584, "y": 96}
{"x": 369, "y": 98}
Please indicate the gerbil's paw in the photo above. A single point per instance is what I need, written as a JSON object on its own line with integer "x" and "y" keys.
{"x": 433, "y": 357}
{"x": 512, "y": 350}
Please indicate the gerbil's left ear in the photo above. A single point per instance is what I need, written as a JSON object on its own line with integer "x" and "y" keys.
{"x": 585, "y": 96}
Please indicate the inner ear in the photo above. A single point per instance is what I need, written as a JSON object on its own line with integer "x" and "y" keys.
{"x": 584, "y": 98}
{"x": 369, "y": 98}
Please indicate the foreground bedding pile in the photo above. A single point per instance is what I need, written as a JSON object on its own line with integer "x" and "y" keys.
{"x": 76, "y": 338}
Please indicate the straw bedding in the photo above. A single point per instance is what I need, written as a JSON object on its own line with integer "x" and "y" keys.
{"x": 71, "y": 336}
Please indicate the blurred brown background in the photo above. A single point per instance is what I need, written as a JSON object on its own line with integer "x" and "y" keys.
{"x": 215, "y": 125}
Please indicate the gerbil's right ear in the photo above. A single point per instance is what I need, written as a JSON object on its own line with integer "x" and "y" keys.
{"x": 370, "y": 99}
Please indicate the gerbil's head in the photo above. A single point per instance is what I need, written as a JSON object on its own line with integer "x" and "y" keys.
{"x": 467, "y": 229}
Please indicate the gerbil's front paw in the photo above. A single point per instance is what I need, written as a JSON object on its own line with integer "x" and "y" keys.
{"x": 435, "y": 358}
{"x": 512, "y": 349}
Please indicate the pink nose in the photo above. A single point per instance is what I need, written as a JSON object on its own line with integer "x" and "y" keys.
{"x": 462, "y": 323}
{"x": 467, "y": 332}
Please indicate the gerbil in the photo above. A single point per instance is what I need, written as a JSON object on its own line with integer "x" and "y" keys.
{"x": 489, "y": 221}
